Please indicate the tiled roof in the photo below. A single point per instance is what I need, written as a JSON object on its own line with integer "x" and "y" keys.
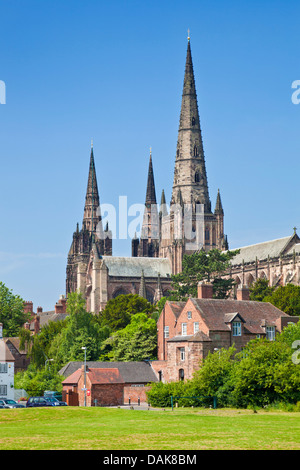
{"x": 176, "y": 307}
{"x": 5, "y": 354}
{"x": 104, "y": 376}
{"x": 197, "y": 337}
{"x": 254, "y": 313}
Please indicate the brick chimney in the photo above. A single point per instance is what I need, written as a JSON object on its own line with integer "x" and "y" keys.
{"x": 39, "y": 310}
{"x": 36, "y": 325}
{"x": 28, "y": 307}
{"x": 61, "y": 305}
{"x": 243, "y": 293}
{"x": 205, "y": 290}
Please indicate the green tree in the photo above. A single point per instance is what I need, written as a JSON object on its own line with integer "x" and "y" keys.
{"x": 12, "y": 314}
{"x": 260, "y": 289}
{"x": 81, "y": 330}
{"x": 118, "y": 311}
{"x": 136, "y": 342}
{"x": 201, "y": 266}
{"x": 38, "y": 346}
{"x": 265, "y": 373}
{"x": 286, "y": 298}
{"x": 213, "y": 378}
{"x": 36, "y": 381}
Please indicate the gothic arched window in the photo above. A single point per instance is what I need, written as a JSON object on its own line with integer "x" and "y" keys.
{"x": 197, "y": 177}
{"x": 193, "y": 121}
{"x": 195, "y": 151}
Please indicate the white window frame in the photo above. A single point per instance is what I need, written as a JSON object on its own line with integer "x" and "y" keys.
{"x": 182, "y": 354}
{"x": 184, "y": 329}
{"x": 166, "y": 332}
{"x": 3, "y": 368}
{"x": 196, "y": 326}
{"x": 3, "y": 390}
{"x": 236, "y": 328}
{"x": 270, "y": 333}
{"x": 189, "y": 315}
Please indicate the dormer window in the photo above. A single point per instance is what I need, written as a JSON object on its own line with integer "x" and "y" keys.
{"x": 270, "y": 332}
{"x": 236, "y": 328}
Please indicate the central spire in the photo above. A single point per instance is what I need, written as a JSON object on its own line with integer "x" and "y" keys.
{"x": 190, "y": 172}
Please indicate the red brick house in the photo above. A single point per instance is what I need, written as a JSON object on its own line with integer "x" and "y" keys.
{"x": 187, "y": 333}
{"x": 107, "y": 383}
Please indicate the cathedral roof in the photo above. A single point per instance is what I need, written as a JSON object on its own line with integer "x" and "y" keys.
{"x": 272, "y": 249}
{"x": 133, "y": 267}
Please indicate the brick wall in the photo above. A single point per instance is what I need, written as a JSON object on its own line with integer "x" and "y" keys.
{"x": 135, "y": 393}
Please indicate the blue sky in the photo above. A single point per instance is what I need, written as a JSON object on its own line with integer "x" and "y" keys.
{"x": 112, "y": 71}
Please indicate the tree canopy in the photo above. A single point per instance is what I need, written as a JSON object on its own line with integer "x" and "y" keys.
{"x": 201, "y": 266}
{"x": 136, "y": 342}
{"x": 286, "y": 298}
{"x": 117, "y": 313}
{"x": 12, "y": 314}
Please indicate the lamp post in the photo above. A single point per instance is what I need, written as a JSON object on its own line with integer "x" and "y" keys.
{"x": 84, "y": 348}
{"x": 46, "y": 362}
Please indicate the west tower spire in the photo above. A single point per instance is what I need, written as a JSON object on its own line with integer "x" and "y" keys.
{"x": 148, "y": 244}
{"x": 91, "y": 216}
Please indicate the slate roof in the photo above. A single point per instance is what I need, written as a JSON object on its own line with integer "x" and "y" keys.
{"x": 271, "y": 248}
{"x": 46, "y": 317}
{"x": 133, "y": 267}
{"x": 131, "y": 372}
{"x": 295, "y": 248}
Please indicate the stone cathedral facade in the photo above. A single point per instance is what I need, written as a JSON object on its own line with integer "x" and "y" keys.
{"x": 168, "y": 231}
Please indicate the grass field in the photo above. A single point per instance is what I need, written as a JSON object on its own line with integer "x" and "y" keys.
{"x": 79, "y": 428}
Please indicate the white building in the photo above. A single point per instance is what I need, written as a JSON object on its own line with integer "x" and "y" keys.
{"x": 7, "y": 369}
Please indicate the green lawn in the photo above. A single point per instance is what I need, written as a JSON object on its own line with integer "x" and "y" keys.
{"x": 68, "y": 428}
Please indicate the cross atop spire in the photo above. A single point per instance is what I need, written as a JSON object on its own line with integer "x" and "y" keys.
{"x": 189, "y": 34}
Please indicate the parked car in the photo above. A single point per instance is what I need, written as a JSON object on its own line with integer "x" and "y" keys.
{"x": 7, "y": 403}
{"x": 55, "y": 401}
{"x": 53, "y": 394}
{"x": 38, "y": 401}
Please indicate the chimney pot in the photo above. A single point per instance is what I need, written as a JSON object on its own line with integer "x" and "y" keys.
{"x": 205, "y": 290}
{"x": 243, "y": 293}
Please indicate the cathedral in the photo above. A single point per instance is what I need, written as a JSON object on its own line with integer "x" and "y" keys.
{"x": 185, "y": 225}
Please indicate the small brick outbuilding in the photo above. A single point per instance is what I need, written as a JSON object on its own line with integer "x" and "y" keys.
{"x": 107, "y": 383}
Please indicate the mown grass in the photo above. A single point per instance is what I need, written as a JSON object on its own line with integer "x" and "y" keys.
{"x": 79, "y": 428}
